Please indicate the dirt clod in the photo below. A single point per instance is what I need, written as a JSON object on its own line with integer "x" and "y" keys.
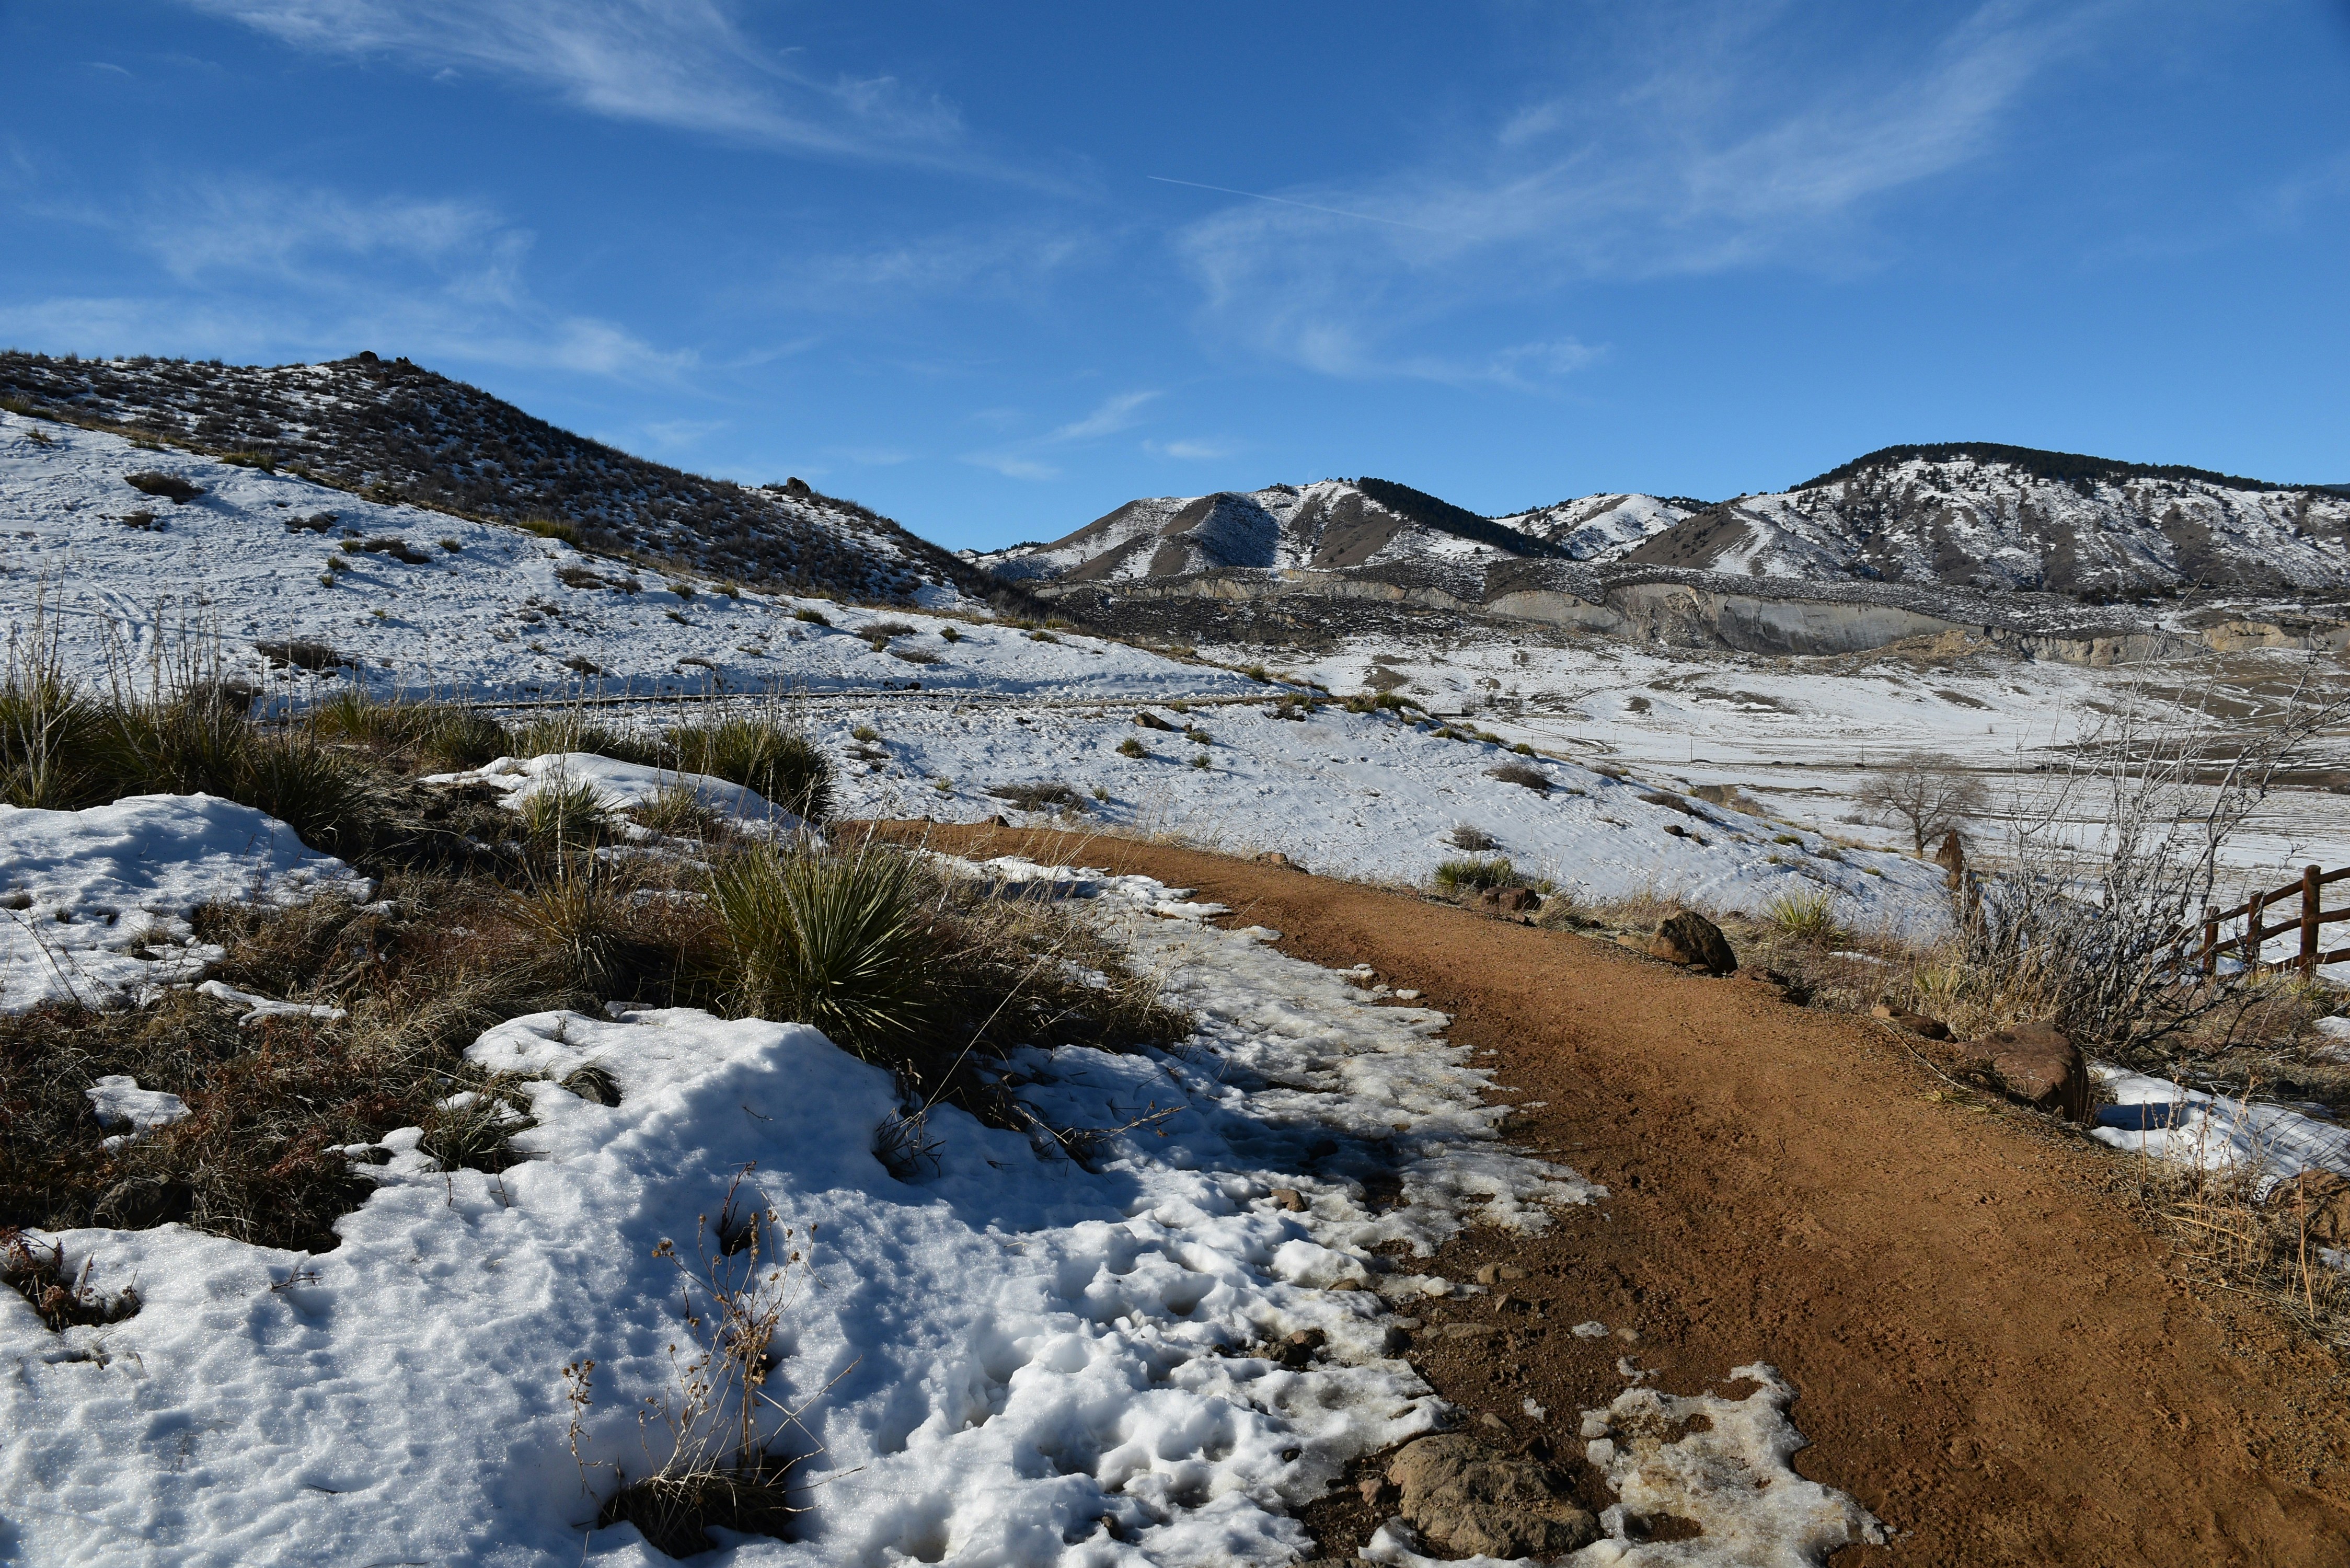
{"x": 1468, "y": 1497}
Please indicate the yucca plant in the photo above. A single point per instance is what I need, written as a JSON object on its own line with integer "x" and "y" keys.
{"x": 841, "y": 939}
{"x": 762, "y": 754}
{"x": 1807, "y": 916}
{"x": 1471, "y": 876}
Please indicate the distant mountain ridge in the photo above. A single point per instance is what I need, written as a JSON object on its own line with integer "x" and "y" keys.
{"x": 1973, "y": 515}
{"x": 392, "y": 430}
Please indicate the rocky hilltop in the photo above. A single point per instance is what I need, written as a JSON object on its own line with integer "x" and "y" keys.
{"x": 1985, "y": 516}
{"x": 394, "y": 432}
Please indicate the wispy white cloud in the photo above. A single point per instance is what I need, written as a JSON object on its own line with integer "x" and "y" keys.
{"x": 254, "y": 268}
{"x": 1711, "y": 143}
{"x": 685, "y": 64}
{"x": 1192, "y": 451}
{"x": 1024, "y": 459}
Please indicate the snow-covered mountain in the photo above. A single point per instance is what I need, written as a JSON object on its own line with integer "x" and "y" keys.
{"x": 1600, "y": 528}
{"x": 1966, "y": 515}
{"x": 1329, "y": 526}
{"x": 394, "y": 432}
{"x": 1986, "y": 516}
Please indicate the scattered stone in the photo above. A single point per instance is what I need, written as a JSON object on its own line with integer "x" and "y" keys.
{"x": 1288, "y": 1198}
{"x": 1406, "y": 996}
{"x": 1297, "y": 1351}
{"x": 1469, "y": 1498}
{"x": 2038, "y": 1065}
{"x": 1916, "y": 1023}
{"x": 1490, "y": 1419}
{"x": 1690, "y": 939}
{"x": 1275, "y": 857}
{"x": 1628, "y": 1335}
{"x": 1495, "y": 1274}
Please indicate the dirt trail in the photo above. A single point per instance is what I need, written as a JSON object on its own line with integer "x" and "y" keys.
{"x": 1990, "y": 1353}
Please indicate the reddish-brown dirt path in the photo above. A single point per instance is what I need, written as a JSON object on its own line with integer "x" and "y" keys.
{"x": 1990, "y": 1353}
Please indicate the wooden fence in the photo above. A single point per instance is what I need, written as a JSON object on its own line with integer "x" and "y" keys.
{"x": 2311, "y": 922}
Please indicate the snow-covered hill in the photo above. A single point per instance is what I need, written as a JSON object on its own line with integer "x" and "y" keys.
{"x": 1329, "y": 526}
{"x": 1600, "y": 528}
{"x": 2009, "y": 518}
{"x": 396, "y": 431}
{"x": 291, "y": 581}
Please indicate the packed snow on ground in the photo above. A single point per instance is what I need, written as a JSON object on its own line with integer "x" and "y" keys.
{"x": 492, "y": 616}
{"x": 94, "y": 904}
{"x": 619, "y": 786}
{"x": 2220, "y": 1132}
{"x": 1363, "y": 795}
{"x": 1007, "y": 1358}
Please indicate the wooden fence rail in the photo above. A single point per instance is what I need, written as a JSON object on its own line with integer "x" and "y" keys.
{"x": 2311, "y": 920}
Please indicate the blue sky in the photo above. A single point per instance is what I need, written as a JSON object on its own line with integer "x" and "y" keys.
{"x": 995, "y": 270}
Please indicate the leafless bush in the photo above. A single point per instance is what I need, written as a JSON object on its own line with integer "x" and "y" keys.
{"x": 2085, "y": 927}
{"x": 1924, "y": 795}
{"x": 1471, "y": 839}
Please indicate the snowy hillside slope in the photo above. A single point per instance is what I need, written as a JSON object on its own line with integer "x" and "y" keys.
{"x": 397, "y": 432}
{"x": 1601, "y": 528}
{"x": 510, "y": 617}
{"x": 2010, "y": 518}
{"x": 1329, "y": 526}
{"x": 298, "y": 582}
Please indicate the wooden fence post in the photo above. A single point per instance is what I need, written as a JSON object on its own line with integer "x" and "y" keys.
{"x": 2310, "y": 896}
{"x": 2253, "y": 910}
{"x": 2210, "y": 954}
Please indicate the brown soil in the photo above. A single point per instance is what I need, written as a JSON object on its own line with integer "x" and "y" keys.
{"x": 1991, "y": 1352}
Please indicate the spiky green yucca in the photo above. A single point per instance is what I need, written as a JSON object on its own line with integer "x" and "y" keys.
{"x": 760, "y": 754}
{"x": 1808, "y": 917}
{"x": 1472, "y": 875}
{"x": 841, "y": 940}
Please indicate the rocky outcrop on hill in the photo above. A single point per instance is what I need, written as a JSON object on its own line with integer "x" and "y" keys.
{"x": 395, "y": 431}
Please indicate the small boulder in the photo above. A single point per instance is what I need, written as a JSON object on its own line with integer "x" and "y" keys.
{"x": 1275, "y": 857}
{"x": 1507, "y": 900}
{"x": 1916, "y": 1023}
{"x": 1468, "y": 1497}
{"x": 1689, "y": 938}
{"x": 1288, "y": 1198}
{"x": 2038, "y": 1065}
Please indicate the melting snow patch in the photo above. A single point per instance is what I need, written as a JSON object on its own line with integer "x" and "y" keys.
{"x": 1144, "y": 1358}
{"x": 2215, "y": 1132}
{"x": 127, "y": 1111}
{"x": 94, "y": 904}
{"x": 259, "y": 1007}
{"x": 619, "y": 786}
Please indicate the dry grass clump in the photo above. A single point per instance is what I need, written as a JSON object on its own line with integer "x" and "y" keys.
{"x": 1039, "y": 795}
{"x": 1466, "y": 836}
{"x": 1524, "y": 774}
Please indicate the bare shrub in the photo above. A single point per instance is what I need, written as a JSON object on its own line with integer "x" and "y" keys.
{"x": 2086, "y": 931}
{"x": 1524, "y": 774}
{"x": 1925, "y": 795}
{"x": 1464, "y": 836}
